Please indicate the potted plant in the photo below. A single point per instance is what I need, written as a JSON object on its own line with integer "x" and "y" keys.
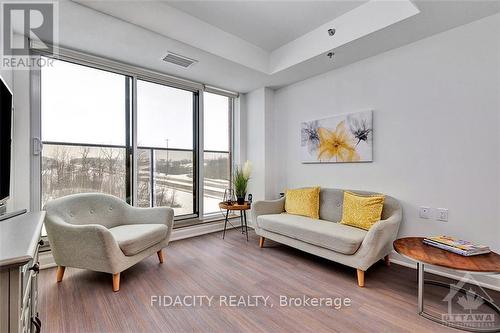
{"x": 240, "y": 181}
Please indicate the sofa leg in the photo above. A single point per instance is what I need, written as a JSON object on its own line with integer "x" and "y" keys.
{"x": 361, "y": 278}
{"x": 160, "y": 256}
{"x": 116, "y": 282}
{"x": 386, "y": 260}
{"x": 60, "y": 273}
{"x": 261, "y": 241}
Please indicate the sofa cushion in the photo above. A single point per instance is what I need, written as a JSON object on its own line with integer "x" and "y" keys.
{"x": 134, "y": 238}
{"x": 333, "y": 236}
{"x": 362, "y": 211}
{"x": 303, "y": 201}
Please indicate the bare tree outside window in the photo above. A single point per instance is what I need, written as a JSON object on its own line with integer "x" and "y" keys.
{"x": 78, "y": 169}
{"x": 143, "y": 178}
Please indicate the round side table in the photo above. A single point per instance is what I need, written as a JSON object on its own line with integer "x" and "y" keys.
{"x": 414, "y": 249}
{"x": 233, "y": 206}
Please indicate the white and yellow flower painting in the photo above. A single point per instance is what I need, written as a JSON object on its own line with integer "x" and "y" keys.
{"x": 337, "y": 139}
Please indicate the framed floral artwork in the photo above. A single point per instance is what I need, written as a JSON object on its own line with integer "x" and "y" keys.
{"x": 338, "y": 139}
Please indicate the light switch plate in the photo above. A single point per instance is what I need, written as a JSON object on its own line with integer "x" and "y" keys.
{"x": 442, "y": 214}
{"x": 424, "y": 212}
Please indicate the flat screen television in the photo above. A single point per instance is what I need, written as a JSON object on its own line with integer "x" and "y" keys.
{"x": 5, "y": 140}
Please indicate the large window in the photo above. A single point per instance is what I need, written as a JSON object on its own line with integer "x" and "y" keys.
{"x": 217, "y": 144}
{"x": 97, "y": 138}
{"x": 83, "y": 126}
{"x": 165, "y": 120}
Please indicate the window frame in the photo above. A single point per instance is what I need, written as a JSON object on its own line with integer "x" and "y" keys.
{"x": 135, "y": 73}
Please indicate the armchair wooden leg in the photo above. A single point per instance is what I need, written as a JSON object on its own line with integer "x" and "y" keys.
{"x": 116, "y": 282}
{"x": 160, "y": 256}
{"x": 60, "y": 273}
{"x": 361, "y": 278}
{"x": 386, "y": 260}
{"x": 261, "y": 241}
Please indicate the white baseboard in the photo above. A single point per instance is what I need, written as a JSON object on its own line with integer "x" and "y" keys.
{"x": 486, "y": 281}
{"x": 47, "y": 260}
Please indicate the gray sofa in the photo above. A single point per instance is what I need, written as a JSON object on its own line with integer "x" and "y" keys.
{"x": 103, "y": 233}
{"x": 326, "y": 237}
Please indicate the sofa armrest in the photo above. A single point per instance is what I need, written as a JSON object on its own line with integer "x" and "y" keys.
{"x": 378, "y": 241}
{"x": 265, "y": 207}
{"x": 89, "y": 246}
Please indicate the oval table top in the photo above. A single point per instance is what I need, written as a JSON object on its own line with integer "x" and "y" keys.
{"x": 414, "y": 248}
{"x": 234, "y": 206}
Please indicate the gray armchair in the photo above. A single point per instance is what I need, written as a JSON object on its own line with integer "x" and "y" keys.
{"x": 103, "y": 233}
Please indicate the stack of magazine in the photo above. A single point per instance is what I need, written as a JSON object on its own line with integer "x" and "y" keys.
{"x": 458, "y": 246}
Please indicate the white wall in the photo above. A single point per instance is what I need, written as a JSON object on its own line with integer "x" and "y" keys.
{"x": 21, "y": 140}
{"x": 259, "y": 147}
{"x": 255, "y": 107}
{"x": 7, "y": 76}
{"x": 270, "y": 186}
{"x": 436, "y": 109}
{"x": 240, "y": 130}
{"x": 21, "y": 149}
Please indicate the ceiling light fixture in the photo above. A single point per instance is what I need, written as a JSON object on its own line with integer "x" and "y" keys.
{"x": 331, "y": 31}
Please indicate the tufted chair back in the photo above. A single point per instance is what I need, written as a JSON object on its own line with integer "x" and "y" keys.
{"x": 88, "y": 208}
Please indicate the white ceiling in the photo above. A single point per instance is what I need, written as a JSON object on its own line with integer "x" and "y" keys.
{"x": 141, "y": 32}
{"x": 159, "y": 17}
{"x": 267, "y": 24}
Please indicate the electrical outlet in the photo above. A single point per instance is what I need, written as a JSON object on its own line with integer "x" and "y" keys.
{"x": 424, "y": 212}
{"x": 442, "y": 214}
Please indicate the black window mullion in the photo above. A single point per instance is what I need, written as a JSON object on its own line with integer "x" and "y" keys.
{"x": 129, "y": 184}
{"x": 196, "y": 159}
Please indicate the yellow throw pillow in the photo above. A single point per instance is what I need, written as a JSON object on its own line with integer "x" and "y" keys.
{"x": 362, "y": 211}
{"x": 303, "y": 201}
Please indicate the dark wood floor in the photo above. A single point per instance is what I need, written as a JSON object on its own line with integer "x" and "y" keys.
{"x": 208, "y": 265}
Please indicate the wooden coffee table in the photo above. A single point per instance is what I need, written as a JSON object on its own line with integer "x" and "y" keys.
{"x": 414, "y": 249}
{"x": 233, "y": 206}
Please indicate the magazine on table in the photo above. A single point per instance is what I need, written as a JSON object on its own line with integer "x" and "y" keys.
{"x": 455, "y": 245}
